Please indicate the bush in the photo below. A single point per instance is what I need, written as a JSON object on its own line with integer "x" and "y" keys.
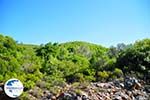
{"x": 118, "y": 72}
{"x": 25, "y": 96}
{"x": 103, "y": 76}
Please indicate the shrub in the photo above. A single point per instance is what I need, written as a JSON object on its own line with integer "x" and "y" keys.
{"x": 103, "y": 76}
{"x": 118, "y": 72}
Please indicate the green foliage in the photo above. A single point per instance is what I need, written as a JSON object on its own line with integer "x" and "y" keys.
{"x": 69, "y": 61}
{"x": 104, "y": 75}
{"x": 117, "y": 72}
{"x": 54, "y": 65}
{"x": 25, "y": 96}
{"x": 135, "y": 58}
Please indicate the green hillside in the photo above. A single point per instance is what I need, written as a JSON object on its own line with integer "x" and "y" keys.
{"x": 55, "y": 64}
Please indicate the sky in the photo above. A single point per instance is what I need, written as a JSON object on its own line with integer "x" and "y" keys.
{"x": 105, "y": 22}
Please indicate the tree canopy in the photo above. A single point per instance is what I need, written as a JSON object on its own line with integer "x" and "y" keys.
{"x": 56, "y": 64}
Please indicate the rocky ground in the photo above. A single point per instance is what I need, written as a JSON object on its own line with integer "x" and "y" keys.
{"x": 129, "y": 89}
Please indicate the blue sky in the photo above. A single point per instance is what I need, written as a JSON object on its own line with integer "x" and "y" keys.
{"x": 105, "y": 22}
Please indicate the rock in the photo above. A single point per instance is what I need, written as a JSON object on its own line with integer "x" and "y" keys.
{"x": 147, "y": 88}
{"x": 131, "y": 83}
{"x": 137, "y": 86}
{"x": 130, "y": 89}
{"x": 121, "y": 85}
{"x": 140, "y": 98}
{"x": 129, "y": 93}
{"x": 118, "y": 84}
{"x": 1, "y": 89}
{"x": 100, "y": 84}
{"x": 125, "y": 97}
{"x": 117, "y": 97}
{"x": 47, "y": 94}
{"x": 53, "y": 98}
{"x": 74, "y": 95}
{"x": 128, "y": 83}
{"x": 67, "y": 96}
{"x": 78, "y": 98}
{"x": 85, "y": 97}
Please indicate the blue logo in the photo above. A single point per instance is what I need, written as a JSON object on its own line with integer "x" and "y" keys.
{"x": 13, "y": 88}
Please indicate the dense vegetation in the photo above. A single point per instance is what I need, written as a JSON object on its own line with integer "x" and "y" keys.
{"x": 55, "y": 64}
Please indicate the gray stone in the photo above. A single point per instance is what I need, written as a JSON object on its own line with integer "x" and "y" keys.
{"x": 1, "y": 89}
{"x": 140, "y": 98}
{"x": 67, "y": 96}
{"x": 117, "y": 97}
